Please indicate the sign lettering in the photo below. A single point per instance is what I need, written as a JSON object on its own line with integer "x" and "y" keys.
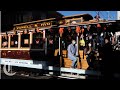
{"x": 44, "y": 24}
{"x": 74, "y": 20}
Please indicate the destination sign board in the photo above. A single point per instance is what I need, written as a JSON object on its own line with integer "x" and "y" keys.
{"x": 44, "y": 24}
{"x": 73, "y": 21}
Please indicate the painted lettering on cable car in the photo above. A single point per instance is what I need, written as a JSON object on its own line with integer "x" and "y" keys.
{"x": 44, "y": 24}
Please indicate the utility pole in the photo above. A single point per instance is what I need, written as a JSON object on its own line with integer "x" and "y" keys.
{"x": 97, "y": 16}
{"x": 108, "y": 14}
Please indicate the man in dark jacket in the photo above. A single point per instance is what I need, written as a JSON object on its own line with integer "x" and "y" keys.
{"x": 107, "y": 59}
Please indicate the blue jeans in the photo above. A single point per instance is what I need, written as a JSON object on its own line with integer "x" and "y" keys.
{"x": 74, "y": 61}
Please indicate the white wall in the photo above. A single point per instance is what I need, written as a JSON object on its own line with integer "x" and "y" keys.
{"x": 118, "y": 15}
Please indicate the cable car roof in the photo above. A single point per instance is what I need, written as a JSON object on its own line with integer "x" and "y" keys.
{"x": 34, "y": 21}
{"x": 86, "y": 17}
{"x": 90, "y": 22}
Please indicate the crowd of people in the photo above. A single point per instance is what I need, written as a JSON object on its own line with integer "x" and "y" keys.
{"x": 97, "y": 47}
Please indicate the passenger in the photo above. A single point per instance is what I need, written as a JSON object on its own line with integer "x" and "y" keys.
{"x": 107, "y": 63}
{"x": 68, "y": 40}
{"x": 82, "y": 44}
{"x": 113, "y": 40}
{"x": 37, "y": 41}
{"x": 51, "y": 47}
{"x": 72, "y": 53}
{"x": 5, "y": 41}
{"x": 5, "y": 44}
{"x": 101, "y": 39}
{"x": 90, "y": 56}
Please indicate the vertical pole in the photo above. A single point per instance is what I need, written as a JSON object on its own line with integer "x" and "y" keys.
{"x": 45, "y": 46}
{"x": 0, "y": 40}
{"x": 77, "y": 44}
{"x": 19, "y": 40}
{"x": 60, "y": 50}
{"x": 43, "y": 33}
{"x": 78, "y": 59}
{"x": 9, "y": 39}
{"x": 108, "y": 15}
{"x": 31, "y": 37}
{"x": 59, "y": 46}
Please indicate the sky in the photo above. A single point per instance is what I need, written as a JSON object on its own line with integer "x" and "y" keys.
{"x": 111, "y": 15}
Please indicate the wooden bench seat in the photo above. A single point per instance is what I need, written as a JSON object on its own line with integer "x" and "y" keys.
{"x": 83, "y": 63}
{"x": 68, "y": 62}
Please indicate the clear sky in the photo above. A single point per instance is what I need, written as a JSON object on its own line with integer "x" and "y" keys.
{"x": 103, "y": 14}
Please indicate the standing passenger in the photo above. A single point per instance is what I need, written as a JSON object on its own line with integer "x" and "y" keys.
{"x": 107, "y": 59}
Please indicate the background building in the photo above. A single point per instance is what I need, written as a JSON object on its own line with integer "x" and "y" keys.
{"x": 14, "y": 17}
{"x": 118, "y": 15}
{"x": 111, "y": 15}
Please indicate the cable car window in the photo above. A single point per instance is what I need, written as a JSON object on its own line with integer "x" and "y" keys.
{"x": 74, "y": 34}
{"x": 55, "y": 37}
{"x": 25, "y": 39}
{"x": 14, "y": 41}
{"x": 38, "y": 34}
{"x": 4, "y": 41}
{"x": 38, "y": 41}
{"x": 51, "y": 42}
{"x": 50, "y": 38}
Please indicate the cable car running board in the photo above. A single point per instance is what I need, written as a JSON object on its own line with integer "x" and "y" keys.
{"x": 43, "y": 65}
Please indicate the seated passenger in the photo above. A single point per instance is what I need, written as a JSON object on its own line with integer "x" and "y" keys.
{"x": 72, "y": 53}
{"x": 5, "y": 41}
{"x": 5, "y": 44}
